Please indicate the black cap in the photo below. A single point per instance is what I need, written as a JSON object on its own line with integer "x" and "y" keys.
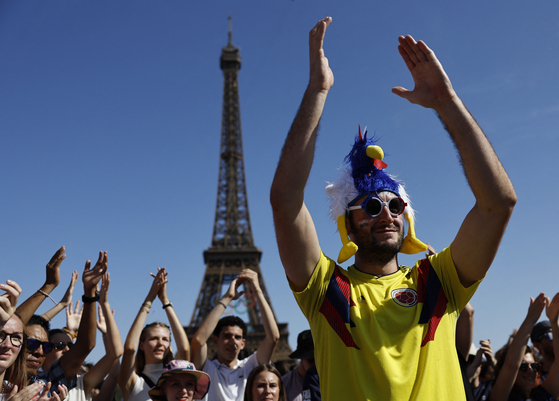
{"x": 539, "y": 330}
{"x": 305, "y": 346}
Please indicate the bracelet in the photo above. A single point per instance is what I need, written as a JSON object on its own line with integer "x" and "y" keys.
{"x": 148, "y": 304}
{"x": 167, "y": 305}
{"x": 90, "y": 300}
{"x": 47, "y": 295}
{"x": 225, "y": 306}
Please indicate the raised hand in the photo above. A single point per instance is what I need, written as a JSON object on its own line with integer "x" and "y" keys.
{"x": 233, "y": 292}
{"x": 485, "y": 347}
{"x": 249, "y": 275}
{"x": 67, "y": 298}
{"x": 73, "y": 318}
{"x": 552, "y": 309}
{"x": 103, "y": 298}
{"x": 53, "y": 267}
{"x": 162, "y": 293}
{"x": 8, "y": 301}
{"x": 159, "y": 280}
{"x": 91, "y": 277}
{"x": 321, "y": 76}
{"x": 432, "y": 85}
{"x": 536, "y": 307}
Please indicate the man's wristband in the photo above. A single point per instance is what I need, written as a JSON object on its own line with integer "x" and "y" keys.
{"x": 90, "y": 300}
{"x": 167, "y": 305}
{"x": 221, "y": 302}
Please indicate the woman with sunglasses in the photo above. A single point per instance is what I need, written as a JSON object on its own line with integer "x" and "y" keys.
{"x": 517, "y": 370}
{"x": 140, "y": 370}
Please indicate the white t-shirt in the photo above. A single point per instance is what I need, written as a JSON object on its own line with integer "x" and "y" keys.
{"x": 77, "y": 393}
{"x": 228, "y": 384}
{"x": 140, "y": 392}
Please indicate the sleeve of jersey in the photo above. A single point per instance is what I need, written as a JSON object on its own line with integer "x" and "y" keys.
{"x": 310, "y": 299}
{"x": 457, "y": 294}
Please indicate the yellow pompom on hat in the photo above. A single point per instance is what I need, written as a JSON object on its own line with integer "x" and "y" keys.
{"x": 366, "y": 176}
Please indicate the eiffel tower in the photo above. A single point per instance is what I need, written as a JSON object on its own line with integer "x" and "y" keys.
{"x": 232, "y": 248}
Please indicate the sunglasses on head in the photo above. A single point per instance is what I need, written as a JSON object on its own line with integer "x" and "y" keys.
{"x": 16, "y": 338}
{"x": 61, "y": 345}
{"x": 548, "y": 335}
{"x": 373, "y": 206}
{"x": 33, "y": 345}
{"x": 534, "y": 366}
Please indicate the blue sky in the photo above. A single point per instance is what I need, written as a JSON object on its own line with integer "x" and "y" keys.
{"x": 110, "y": 115}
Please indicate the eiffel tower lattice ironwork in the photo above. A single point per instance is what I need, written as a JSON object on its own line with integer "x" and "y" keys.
{"x": 232, "y": 248}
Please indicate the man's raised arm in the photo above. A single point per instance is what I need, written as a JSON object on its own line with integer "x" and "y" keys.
{"x": 199, "y": 346}
{"x": 296, "y": 235}
{"x": 268, "y": 345}
{"x": 477, "y": 241}
{"x": 72, "y": 360}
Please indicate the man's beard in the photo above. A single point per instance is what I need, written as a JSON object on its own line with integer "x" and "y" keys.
{"x": 370, "y": 248}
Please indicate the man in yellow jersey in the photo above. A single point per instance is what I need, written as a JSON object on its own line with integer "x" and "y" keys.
{"x": 384, "y": 331}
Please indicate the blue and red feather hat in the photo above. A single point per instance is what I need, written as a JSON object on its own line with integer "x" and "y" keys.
{"x": 364, "y": 174}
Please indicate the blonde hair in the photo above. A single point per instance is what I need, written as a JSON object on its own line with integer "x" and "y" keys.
{"x": 140, "y": 362}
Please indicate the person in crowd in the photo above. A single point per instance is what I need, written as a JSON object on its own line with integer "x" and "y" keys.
{"x": 38, "y": 345}
{"x": 61, "y": 343}
{"x": 64, "y": 371}
{"x": 311, "y": 385}
{"x": 480, "y": 373}
{"x": 13, "y": 378}
{"x": 380, "y": 334}
{"x": 180, "y": 381}
{"x": 517, "y": 371}
{"x": 542, "y": 340}
{"x": 228, "y": 373}
{"x": 285, "y": 366}
{"x": 12, "y": 337}
{"x": 264, "y": 383}
{"x": 293, "y": 380}
{"x": 113, "y": 350}
{"x": 464, "y": 339}
{"x": 148, "y": 350}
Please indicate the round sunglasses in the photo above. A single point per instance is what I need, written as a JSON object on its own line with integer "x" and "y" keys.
{"x": 373, "y": 206}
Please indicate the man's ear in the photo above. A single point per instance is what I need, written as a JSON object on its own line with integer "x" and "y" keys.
{"x": 214, "y": 339}
{"x": 243, "y": 343}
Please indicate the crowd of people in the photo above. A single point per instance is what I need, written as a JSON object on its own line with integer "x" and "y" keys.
{"x": 40, "y": 363}
{"x": 378, "y": 330}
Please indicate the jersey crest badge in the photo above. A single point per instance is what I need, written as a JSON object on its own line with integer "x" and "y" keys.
{"x": 405, "y": 297}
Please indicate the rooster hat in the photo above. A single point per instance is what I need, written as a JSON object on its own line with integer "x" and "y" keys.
{"x": 365, "y": 176}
